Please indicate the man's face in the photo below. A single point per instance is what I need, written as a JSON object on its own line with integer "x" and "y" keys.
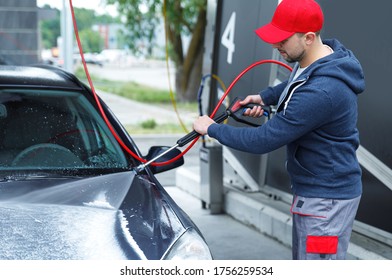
{"x": 292, "y": 49}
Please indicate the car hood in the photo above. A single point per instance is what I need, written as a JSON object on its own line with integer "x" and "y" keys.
{"x": 116, "y": 216}
{"x": 45, "y": 231}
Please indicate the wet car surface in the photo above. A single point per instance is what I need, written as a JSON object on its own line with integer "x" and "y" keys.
{"x": 68, "y": 190}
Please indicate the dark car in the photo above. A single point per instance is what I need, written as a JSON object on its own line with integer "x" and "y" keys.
{"x": 68, "y": 189}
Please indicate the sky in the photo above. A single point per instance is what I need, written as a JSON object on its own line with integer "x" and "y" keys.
{"x": 97, "y": 5}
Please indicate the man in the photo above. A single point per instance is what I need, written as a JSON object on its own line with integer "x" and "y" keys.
{"x": 316, "y": 118}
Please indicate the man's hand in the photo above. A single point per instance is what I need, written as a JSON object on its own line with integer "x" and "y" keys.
{"x": 256, "y": 111}
{"x": 202, "y": 123}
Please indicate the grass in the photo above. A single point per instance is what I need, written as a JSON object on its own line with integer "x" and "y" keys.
{"x": 129, "y": 90}
{"x": 144, "y": 94}
{"x": 167, "y": 128}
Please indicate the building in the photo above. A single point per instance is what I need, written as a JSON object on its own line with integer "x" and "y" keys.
{"x": 19, "y": 32}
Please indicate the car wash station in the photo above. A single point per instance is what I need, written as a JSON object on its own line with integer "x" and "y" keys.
{"x": 255, "y": 189}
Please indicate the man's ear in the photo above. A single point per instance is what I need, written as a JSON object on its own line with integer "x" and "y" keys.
{"x": 310, "y": 37}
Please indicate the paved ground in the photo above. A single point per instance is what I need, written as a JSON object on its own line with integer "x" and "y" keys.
{"x": 151, "y": 73}
{"x": 227, "y": 238}
{"x": 132, "y": 112}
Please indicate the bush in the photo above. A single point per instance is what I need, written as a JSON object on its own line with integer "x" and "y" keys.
{"x": 149, "y": 124}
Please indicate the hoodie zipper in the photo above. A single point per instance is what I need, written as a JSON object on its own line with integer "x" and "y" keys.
{"x": 294, "y": 86}
{"x": 289, "y": 94}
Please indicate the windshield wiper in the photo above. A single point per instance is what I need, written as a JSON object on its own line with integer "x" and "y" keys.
{"x": 32, "y": 176}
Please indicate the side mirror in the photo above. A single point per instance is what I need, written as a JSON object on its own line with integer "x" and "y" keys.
{"x": 157, "y": 150}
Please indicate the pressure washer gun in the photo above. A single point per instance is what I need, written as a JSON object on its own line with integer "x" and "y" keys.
{"x": 235, "y": 110}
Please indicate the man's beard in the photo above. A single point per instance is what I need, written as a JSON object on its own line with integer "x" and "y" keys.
{"x": 297, "y": 58}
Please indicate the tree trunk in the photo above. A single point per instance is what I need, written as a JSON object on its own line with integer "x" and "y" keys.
{"x": 188, "y": 75}
{"x": 193, "y": 80}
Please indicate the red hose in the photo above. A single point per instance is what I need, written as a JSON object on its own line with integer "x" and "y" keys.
{"x": 93, "y": 89}
{"x": 243, "y": 73}
{"x": 122, "y": 144}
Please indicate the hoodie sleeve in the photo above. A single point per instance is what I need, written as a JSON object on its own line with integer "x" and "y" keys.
{"x": 270, "y": 95}
{"x": 306, "y": 111}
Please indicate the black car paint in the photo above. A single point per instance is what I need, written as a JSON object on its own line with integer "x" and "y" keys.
{"x": 154, "y": 219}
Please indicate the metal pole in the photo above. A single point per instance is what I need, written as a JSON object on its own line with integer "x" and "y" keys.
{"x": 66, "y": 48}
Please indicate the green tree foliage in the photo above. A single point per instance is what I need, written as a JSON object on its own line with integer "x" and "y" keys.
{"x": 184, "y": 18}
{"x": 50, "y": 30}
{"x": 91, "y": 40}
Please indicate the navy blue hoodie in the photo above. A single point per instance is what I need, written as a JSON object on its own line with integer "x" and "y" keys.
{"x": 317, "y": 120}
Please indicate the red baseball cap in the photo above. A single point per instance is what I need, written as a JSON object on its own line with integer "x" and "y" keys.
{"x": 290, "y": 17}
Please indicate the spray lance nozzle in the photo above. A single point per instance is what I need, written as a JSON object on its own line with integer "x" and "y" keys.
{"x": 235, "y": 110}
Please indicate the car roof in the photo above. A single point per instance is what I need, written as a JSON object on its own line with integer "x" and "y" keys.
{"x": 42, "y": 76}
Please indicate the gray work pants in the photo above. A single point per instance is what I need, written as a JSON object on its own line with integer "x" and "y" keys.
{"x": 322, "y": 227}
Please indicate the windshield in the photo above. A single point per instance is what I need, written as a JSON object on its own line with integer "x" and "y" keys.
{"x": 46, "y": 130}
